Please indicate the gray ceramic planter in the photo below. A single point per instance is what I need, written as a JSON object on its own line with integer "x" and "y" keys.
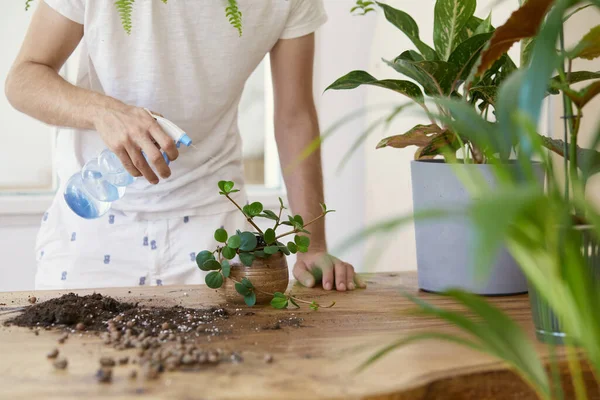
{"x": 445, "y": 247}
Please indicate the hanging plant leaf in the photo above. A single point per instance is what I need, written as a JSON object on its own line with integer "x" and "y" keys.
{"x": 247, "y": 259}
{"x": 420, "y": 135}
{"x": 228, "y": 253}
{"x": 234, "y": 242}
{"x": 292, "y": 247}
{"x": 225, "y": 268}
{"x": 202, "y": 257}
{"x": 271, "y": 250}
{"x": 589, "y": 46}
{"x": 523, "y": 23}
{"x": 355, "y": 79}
{"x": 270, "y": 215}
{"x": 283, "y": 249}
{"x": 221, "y": 235}
{"x": 246, "y": 282}
{"x": 214, "y": 280}
{"x": 436, "y": 77}
{"x": 248, "y": 241}
{"x": 280, "y": 301}
{"x": 409, "y": 27}
{"x": 302, "y": 240}
{"x": 451, "y": 16}
{"x": 250, "y": 299}
{"x": 270, "y": 236}
{"x": 242, "y": 289}
{"x": 211, "y": 265}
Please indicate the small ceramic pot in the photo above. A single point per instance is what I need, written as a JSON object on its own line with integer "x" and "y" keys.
{"x": 266, "y": 274}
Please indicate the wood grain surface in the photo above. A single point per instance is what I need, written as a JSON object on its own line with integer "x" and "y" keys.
{"x": 317, "y": 360}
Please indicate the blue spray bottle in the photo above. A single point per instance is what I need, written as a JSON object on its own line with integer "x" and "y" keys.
{"x": 103, "y": 180}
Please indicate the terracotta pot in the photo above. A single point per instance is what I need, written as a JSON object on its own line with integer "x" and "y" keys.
{"x": 267, "y": 274}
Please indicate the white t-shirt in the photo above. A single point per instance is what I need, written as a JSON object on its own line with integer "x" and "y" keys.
{"x": 185, "y": 61}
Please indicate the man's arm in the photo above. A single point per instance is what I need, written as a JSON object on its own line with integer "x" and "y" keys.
{"x": 35, "y": 88}
{"x": 296, "y": 126}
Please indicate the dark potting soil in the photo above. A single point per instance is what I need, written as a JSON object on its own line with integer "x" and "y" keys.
{"x": 93, "y": 312}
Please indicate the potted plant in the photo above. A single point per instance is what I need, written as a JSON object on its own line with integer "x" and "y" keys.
{"x": 446, "y": 70}
{"x": 262, "y": 274}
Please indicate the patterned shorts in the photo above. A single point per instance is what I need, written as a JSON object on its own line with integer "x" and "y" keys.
{"x": 118, "y": 251}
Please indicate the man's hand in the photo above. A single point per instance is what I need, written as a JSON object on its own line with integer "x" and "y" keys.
{"x": 127, "y": 131}
{"x": 314, "y": 267}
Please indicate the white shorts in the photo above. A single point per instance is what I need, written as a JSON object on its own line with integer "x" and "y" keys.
{"x": 117, "y": 251}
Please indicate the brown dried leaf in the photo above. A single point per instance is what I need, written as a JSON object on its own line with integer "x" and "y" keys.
{"x": 523, "y": 23}
{"x": 420, "y": 135}
{"x": 440, "y": 142}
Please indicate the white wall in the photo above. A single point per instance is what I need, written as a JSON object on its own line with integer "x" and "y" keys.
{"x": 387, "y": 174}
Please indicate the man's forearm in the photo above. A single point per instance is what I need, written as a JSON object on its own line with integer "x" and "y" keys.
{"x": 40, "y": 92}
{"x": 304, "y": 182}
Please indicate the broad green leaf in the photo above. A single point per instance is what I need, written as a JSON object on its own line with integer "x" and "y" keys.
{"x": 589, "y": 46}
{"x": 250, "y": 299}
{"x": 246, "y": 282}
{"x": 485, "y": 26}
{"x": 469, "y": 30}
{"x": 302, "y": 249}
{"x": 248, "y": 241}
{"x": 409, "y": 27}
{"x": 234, "y": 242}
{"x": 284, "y": 250}
{"x": 583, "y": 97}
{"x": 270, "y": 236}
{"x": 271, "y": 250}
{"x": 587, "y": 159}
{"x": 439, "y": 144}
{"x": 211, "y": 265}
{"x": 255, "y": 208}
{"x": 225, "y": 268}
{"x": 214, "y": 280}
{"x": 487, "y": 93}
{"x": 226, "y": 186}
{"x": 466, "y": 54}
{"x": 451, "y": 16}
{"x": 420, "y": 136}
{"x": 270, "y": 215}
{"x": 202, "y": 257}
{"x": 221, "y": 235}
{"x": 411, "y": 55}
{"x": 436, "y": 77}
{"x": 299, "y": 220}
{"x": 242, "y": 289}
{"x": 355, "y": 79}
{"x": 523, "y": 23}
{"x": 228, "y": 253}
{"x": 247, "y": 259}
{"x": 260, "y": 254}
{"x": 280, "y": 301}
{"x": 574, "y": 77}
{"x": 292, "y": 247}
{"x": 302, "y": 240}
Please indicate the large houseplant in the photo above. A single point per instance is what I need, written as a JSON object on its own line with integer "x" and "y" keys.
{"x": 446, "y": 71}
{"x": 539, "y": 228}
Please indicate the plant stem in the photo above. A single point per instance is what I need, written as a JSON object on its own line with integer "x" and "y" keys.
{"x": 278, "y": 218}
{"x": 247, "y": 217}
{"x": 566, "y": 103}
{"x": 296, "y": 230}
{"x": 290, "y": 296}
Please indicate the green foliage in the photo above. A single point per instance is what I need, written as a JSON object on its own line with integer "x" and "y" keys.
{"x": 125, "y": 9}
{"x": 451, "y": 17}
{"x": 248, "y": 241}
{"x": 221, "y": 235}
{"x": 234, "y": 15}
{"x": 280, "y": 301}
{"x": 28, "y": 4}
{"x": 228, "y": 253}
{"x": 214, "y": 280}
{"x": 202, "y": 257}
{"x": 247, "y": 259}
{"x": 362, "y": 7}
{"x": 234, "y": 242}
{"x": 225, "y": 268}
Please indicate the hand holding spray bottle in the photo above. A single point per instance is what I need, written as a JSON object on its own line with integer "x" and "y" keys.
{"x": 103, "y": 180}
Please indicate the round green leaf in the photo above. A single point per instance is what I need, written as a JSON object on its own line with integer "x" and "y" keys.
{"x": 260, "y": 254}
{"x": 247, "y": 259}
{"x": 279, "y": 302}
{"x": 203, "y": 257}
{"x": 241, "y": 289}
{"x": 250, "y": 299}
{"x": 303, "y": 249}
{"x": 211, "y": 265}
{"x": 226, "y": 186}
{"x": 249, "y": 241}
{"x": 214, "y": 280}
{"x": 270, "y": 236}
{"x": 271, "y": 250}
{"x": 284, "y": 250}
{"x": 246, "y": 282}
{"x": 228, "y": 252}
{"x": 303, "y": 241}
{"x": 234, "y": 242}
{"x": 270, "y": 215}
{"x": 221, "y": 235}
{"x": 225, "y": 268}
{"x": 292, "y": 247}
{"x": 255, "y": 208}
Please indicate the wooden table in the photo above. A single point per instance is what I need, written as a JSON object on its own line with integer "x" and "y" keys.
{"x": 315, "y": 361}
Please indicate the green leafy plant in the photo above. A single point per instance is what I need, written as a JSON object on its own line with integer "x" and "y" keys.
{"x": 249, "y": 246}
{"x": 125, "y": 10}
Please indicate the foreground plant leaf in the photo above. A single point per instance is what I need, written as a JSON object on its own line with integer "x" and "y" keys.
{"x": 420, "y": 136}
{"x": 466, "y": 54}
{"x": 523, "y": 23}
{"x": 583, "y": 97}
{"x": 589, "y": 46}
{"x": 575, "y": 77}
{"x": 487, "y": 93}
{"x": 587, "y": 159}
{"x": 436, "y": 77}
{"x": 409, "y": 27}
{"x": 355, "y": 79}
{"x": 214, "y": 280}
{"x": 440, "y": 143}
{"x": 451, "y": 16}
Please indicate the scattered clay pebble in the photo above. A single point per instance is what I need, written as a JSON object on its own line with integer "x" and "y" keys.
{"x": 123, "y": 360}
{"x": 63, "y": 338}
{"x": 166, "y": 326}
{"x": 268, "y": 358}
{"x": 107, "y": 362}
{"x": 37, "y": 333}
{"x": 150, "y": 372}
{"x": 80, "y": 326}
{"x": 33, "y": 299}
{"x": 236, "y": 358}
{"x": 61, "y": 364}
{"x": 53, "y": 353}
{"x": 133, "y": 374}
{"x": 104, "y": 375}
